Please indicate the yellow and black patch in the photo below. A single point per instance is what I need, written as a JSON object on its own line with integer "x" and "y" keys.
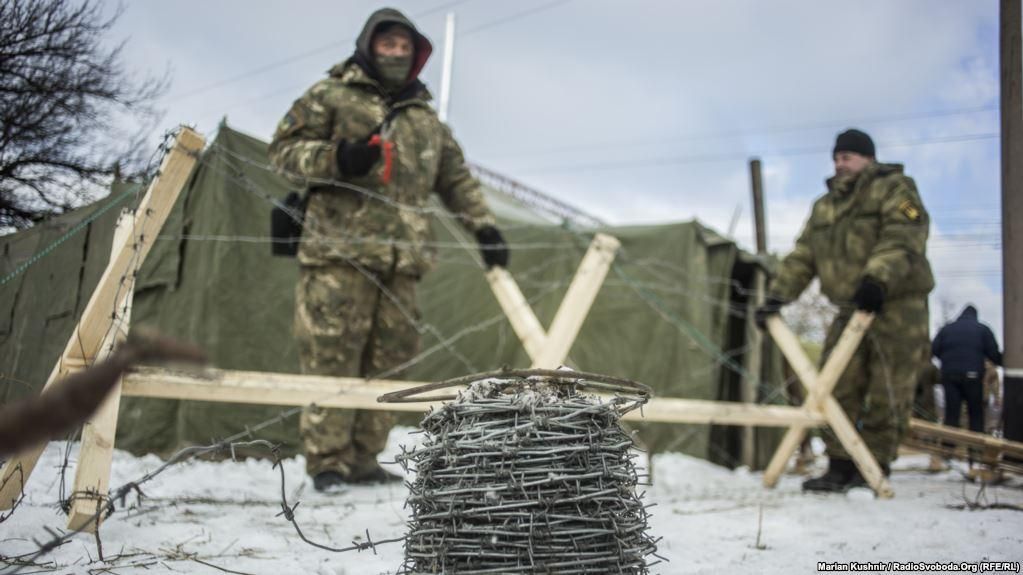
{"x": 910, "y": 210}
{"x": 291, "y": 122}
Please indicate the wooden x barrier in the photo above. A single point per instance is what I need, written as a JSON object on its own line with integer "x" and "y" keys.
{"x": 819, "y": 387}
{"x": 99, "y": 327}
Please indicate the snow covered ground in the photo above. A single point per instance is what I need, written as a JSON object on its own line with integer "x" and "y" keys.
{"x": 211, "y": 518}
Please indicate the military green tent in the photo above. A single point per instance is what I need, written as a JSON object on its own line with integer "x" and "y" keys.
{"x": 670, "y": 314}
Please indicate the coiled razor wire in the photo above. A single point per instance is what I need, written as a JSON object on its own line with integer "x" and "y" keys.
{"x": 524, "y": 473}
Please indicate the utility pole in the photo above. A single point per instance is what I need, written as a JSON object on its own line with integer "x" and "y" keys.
{"x": 1011, "y": 65}
{"x": 755, "y": 357}
{"x": 449, "y": 60}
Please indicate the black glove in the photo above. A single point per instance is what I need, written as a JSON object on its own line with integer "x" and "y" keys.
{"x": 771, "y": 307}
{"x": 492, "y": 246}
{"x": 356, "y": 158}
{"x": 869, "y": 296}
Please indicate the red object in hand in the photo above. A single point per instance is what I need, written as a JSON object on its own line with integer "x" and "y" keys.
{"x": 387, "y": 147}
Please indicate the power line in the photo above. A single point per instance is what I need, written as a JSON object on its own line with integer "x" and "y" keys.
{"x": 331, "y": 45}
{"x": 515, "y": 16}
{"x": 296, "y": 57}
{"x": 732, "y": 156}
{"x": 778, "y": 129}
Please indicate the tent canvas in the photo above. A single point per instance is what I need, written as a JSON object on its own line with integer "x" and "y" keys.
{"x": 671, "y": 313}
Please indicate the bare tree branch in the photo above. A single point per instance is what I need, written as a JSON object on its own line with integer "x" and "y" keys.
{"x": 63, "y": 94}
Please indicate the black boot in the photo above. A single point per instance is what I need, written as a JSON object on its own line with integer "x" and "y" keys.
{"x": 836, "y": 480}
{"x": 857, "y": 479}
{"x": 326, "y": 479}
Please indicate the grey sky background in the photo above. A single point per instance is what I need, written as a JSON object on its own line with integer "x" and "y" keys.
{"x": 647, "y": 111}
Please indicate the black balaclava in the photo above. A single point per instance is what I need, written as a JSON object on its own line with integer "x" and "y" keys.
{"x": 378, "y": 22}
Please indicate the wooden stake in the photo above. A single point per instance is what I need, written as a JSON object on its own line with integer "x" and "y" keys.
{"x": 92, "y": 476}
{"x": 515, "y": 306}
{"x": 580, "y": 295}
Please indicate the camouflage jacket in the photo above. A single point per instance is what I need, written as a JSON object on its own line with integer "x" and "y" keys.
{"x": 380, "y": 226}
{"x": 876, "y": 229}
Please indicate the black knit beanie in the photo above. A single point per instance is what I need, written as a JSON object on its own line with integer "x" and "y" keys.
{"x": 853, "y": 140}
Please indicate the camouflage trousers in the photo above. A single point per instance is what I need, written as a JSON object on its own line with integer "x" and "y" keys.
{"x": 877, "y": 388}
{"x": 347, "y": 325}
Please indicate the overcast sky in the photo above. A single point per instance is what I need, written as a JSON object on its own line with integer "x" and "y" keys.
{"x": 648, "y": 110}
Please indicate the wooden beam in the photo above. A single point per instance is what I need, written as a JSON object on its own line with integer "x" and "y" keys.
{"x": 842, "y": 427}
{"x": 92, "y": 475}
{"x": 920, "y": 429}
{"x": 264, "y": 388}
{"x": 793, "y": 351}
{"x": 92, "y": 328}
{"x": 347, "y": 392}
{"x": 519, "y": 313}
{"x": 697, "y": 411}
{"x": 577, "y": 302}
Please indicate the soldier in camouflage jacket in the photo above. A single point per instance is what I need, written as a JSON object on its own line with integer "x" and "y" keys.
{"x": 866, "y": 241}
{"x": 371, "y": 151}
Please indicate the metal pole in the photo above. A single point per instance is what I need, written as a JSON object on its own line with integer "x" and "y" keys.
{"x": 449, "y": 59}
{"x": 754, "y": 359}
{"x": 1012, "y": 207}
{"x": 760, "y": 225}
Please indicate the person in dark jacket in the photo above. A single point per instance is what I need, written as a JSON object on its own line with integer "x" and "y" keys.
{"x": 962, "y": 346}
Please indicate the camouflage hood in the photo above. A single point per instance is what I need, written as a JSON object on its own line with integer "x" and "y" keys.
{"x": 364, "y": 51}
{"x": 380, "y": 219}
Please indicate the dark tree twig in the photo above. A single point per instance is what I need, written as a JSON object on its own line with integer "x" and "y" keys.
{"x": 63, "y": 92}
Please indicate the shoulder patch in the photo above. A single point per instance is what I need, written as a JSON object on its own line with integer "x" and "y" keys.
{"x": 291, "y": 122}
{"x": 909, "y": 210}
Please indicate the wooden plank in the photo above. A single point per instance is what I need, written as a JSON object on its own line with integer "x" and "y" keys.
{"x": 578, "y": 299}
{"x": 697, "y": 411}
{"x": 92, "y": 476}
{"x": 840, "y": 424}
{"x": 790, "y": 442}
{"x": 264, "y": 388}
{"x": 518, "y": 310}
{"x": 926, "y": 429}
{"x": 153, "y": 211}
{"x": 793, "y": 351}
{"x": 842, "y": 353}
{"x": 88, "y": 336}
{"x": 346, "y": 392}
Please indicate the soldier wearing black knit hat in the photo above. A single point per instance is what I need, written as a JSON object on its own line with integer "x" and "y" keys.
{"x": 866, "y": 242}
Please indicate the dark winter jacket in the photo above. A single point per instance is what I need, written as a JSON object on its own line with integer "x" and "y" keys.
{"x": 963, "y": 345}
